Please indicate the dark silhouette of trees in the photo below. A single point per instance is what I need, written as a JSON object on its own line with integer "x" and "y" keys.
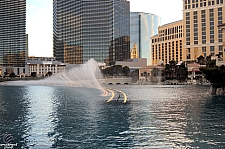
{"x": 215, "y": 74}
{"x": 116, "y": 70}
{"x": 134, "y": 75}
{"x": 174, "y": 71}
{"x": 126, "y": 70}
{"x": 201, "y": 60}
{"x": 12, "y": 75}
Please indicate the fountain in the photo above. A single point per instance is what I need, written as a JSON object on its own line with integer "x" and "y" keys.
{"x": 84, "y": 75}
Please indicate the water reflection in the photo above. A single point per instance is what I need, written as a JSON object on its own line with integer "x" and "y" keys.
{"x": 153, "y": 117}
{"x": 39, "y": 117}
{"x": 85, "y": 120}
{"x": 13, "y": 114}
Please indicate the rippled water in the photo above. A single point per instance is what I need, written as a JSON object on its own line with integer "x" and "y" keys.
{"x": 154, "y": 117}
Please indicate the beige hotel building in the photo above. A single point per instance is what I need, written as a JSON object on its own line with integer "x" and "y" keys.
{"x": 197, "y": 34}
{"x": 167, "y": 45}
{"x": 201, "y": 33}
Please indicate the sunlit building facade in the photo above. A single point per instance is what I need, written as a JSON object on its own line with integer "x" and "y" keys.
{"x": 167, "y": 45}
{"x": 202, "y": 36}
{"x": 134, "y": 52}
{"x": 142, "y": 27}
{"x": 91, "y": 29}
{"x": 13, "y": 33}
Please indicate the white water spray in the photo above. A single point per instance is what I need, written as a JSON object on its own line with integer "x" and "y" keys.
{"x": 84, "y": 75}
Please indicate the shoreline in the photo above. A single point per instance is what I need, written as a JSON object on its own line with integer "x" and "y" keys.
{"x": 21, "y": 79}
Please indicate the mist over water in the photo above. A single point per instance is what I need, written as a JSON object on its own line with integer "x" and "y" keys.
{"x": 84, "y": 75}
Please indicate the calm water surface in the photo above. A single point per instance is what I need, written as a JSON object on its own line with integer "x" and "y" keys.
{"x": 154, "y": 117}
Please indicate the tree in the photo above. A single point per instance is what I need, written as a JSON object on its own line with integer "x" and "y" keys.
{"x": 174, "y": 71}
{"x": 11, "y": 75}
{"x": 201, "y": 60}
{"x": 216, "y": 75}
{"x": 33, "y": 74}
{"x": 170, "y": 70}
{"x": 126, "y": 70}
{"x": 181, "y": 72}
{"x": 135, "y": 75}
{"x": 118, "y": 69}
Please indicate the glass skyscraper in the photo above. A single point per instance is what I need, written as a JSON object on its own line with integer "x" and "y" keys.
{"x": 96, "y": 29}
{"x": 142, "y": 27}
{"x": 12, "y": 32}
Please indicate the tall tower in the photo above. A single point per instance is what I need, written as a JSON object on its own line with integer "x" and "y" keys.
{"x": 143, "y": 27}
{"x": 12, "y": 32}
{"x": 91, "y": 29}
{"x": 202, "y": 36}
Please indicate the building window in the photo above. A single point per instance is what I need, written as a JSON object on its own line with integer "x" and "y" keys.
{"x": 189, "y": 56}
{"x": 211, "y": 48}
{"x": 203, "y": 49}
{"x": 221, "y": 48}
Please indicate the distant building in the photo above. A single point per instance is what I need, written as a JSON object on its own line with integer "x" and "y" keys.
{"x": 202, "y": 36}
{"x": 42, "y": 66}
{"x": 12, "y": 33}
{"x": 134, "y": 52}
{"x": 167, "y": 45}
{"x": 27, "y": 45}
{"x": 91, "y": 29}
{"x": 194, "y": 74}
{"x": 142, "y": 27}
{"x": 151, "y": 74}
{"x": 133, "y": 64}
{"x": 222, "y": 27}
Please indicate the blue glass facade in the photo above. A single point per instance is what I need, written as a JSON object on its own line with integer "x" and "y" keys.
{"x": 91, "y": 29}
{"x": 12, "y": 32}
{"x": 142, "y": 27}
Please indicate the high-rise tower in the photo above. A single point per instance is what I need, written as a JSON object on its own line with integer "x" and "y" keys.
{"x": 96, "y": 29}
{"x": 12, "y": 32}
{"x": 202, "y": 36}
{"x": 143, "y": 27}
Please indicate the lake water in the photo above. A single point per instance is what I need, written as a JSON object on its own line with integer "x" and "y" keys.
{"x": 157, "y": 116}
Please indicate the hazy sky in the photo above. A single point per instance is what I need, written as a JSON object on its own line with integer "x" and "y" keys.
{"x": 39, "y": 20}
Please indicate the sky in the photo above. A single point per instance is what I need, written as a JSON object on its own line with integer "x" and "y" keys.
{"x": 40, "y": 25}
